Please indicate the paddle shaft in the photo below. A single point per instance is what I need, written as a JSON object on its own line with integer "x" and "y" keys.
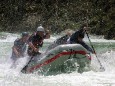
{"x": 24, "y": 68}
{"x": 93, "y": 49}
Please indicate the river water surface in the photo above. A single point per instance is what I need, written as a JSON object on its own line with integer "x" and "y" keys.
{"x": 105, "y": 51}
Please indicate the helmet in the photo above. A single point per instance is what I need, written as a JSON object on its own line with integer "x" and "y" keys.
{"x": 25, "y": 34}
{"x": 40, "y": 28}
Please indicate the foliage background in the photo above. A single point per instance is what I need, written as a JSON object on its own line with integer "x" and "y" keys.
{"x": 58, "y": 15}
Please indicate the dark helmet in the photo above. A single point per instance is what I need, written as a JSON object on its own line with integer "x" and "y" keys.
{"x": 25, "y": 34}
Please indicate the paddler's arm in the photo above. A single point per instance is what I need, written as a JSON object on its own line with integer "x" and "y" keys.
{"x": 33, "y": 47}
{"x": 14, "y": 48}
{"x": 86, "y": 46}
{"x": 29, "y": 42}
{"x": 47, "y": 34}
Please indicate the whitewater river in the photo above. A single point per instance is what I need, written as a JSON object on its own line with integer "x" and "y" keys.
{"x": 105, "y": 51}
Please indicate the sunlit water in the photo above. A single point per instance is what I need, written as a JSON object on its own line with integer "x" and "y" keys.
{"x": 105, "y": 51}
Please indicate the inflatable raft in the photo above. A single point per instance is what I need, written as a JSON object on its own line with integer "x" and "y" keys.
{"x": 61, "y": 55}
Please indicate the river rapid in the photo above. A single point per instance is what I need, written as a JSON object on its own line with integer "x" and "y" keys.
{"x": 13, "y": 77}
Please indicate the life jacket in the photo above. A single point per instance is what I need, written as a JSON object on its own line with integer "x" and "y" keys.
{"x": 37, "y": 41}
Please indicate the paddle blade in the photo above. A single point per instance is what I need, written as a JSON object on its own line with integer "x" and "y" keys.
{"x": 24, "y": 69}
{"x": 102, "y": 69}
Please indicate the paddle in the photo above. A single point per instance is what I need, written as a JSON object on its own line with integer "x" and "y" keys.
{"x": 26, "y": 66}
{"x": 101, "y": 67}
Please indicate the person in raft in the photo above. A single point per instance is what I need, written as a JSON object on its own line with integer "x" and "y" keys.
{"x": 78, "y": 36}
{"x": 36, "y": 41}
{"x": 19, "y": 48}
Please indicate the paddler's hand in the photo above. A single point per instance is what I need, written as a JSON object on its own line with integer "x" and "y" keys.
{"x": 47, "y": 35}
{"x": 93, "y": 52}
{"x": 18, "y": 54}
{"x": 86, "y": 29}
{"x": 36, "y": 49}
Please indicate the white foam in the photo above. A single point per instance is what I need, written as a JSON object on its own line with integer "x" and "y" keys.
{"x": 10, "y": 77}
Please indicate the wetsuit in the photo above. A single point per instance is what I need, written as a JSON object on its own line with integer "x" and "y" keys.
{"x": 74, "y": 39}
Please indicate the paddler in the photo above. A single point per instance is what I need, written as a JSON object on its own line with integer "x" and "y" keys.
{"x": 36, "y": 41}
{"x": 77, "y": 38}
{"x": 19, "y": 47}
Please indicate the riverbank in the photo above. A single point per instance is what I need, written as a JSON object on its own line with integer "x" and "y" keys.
{"x": 58, "y": 15}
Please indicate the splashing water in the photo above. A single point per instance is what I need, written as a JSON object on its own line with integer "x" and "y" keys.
{"x": 12, "y": 77}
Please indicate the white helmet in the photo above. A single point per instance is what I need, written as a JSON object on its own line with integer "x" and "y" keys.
{"x": 40, "y": 28}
